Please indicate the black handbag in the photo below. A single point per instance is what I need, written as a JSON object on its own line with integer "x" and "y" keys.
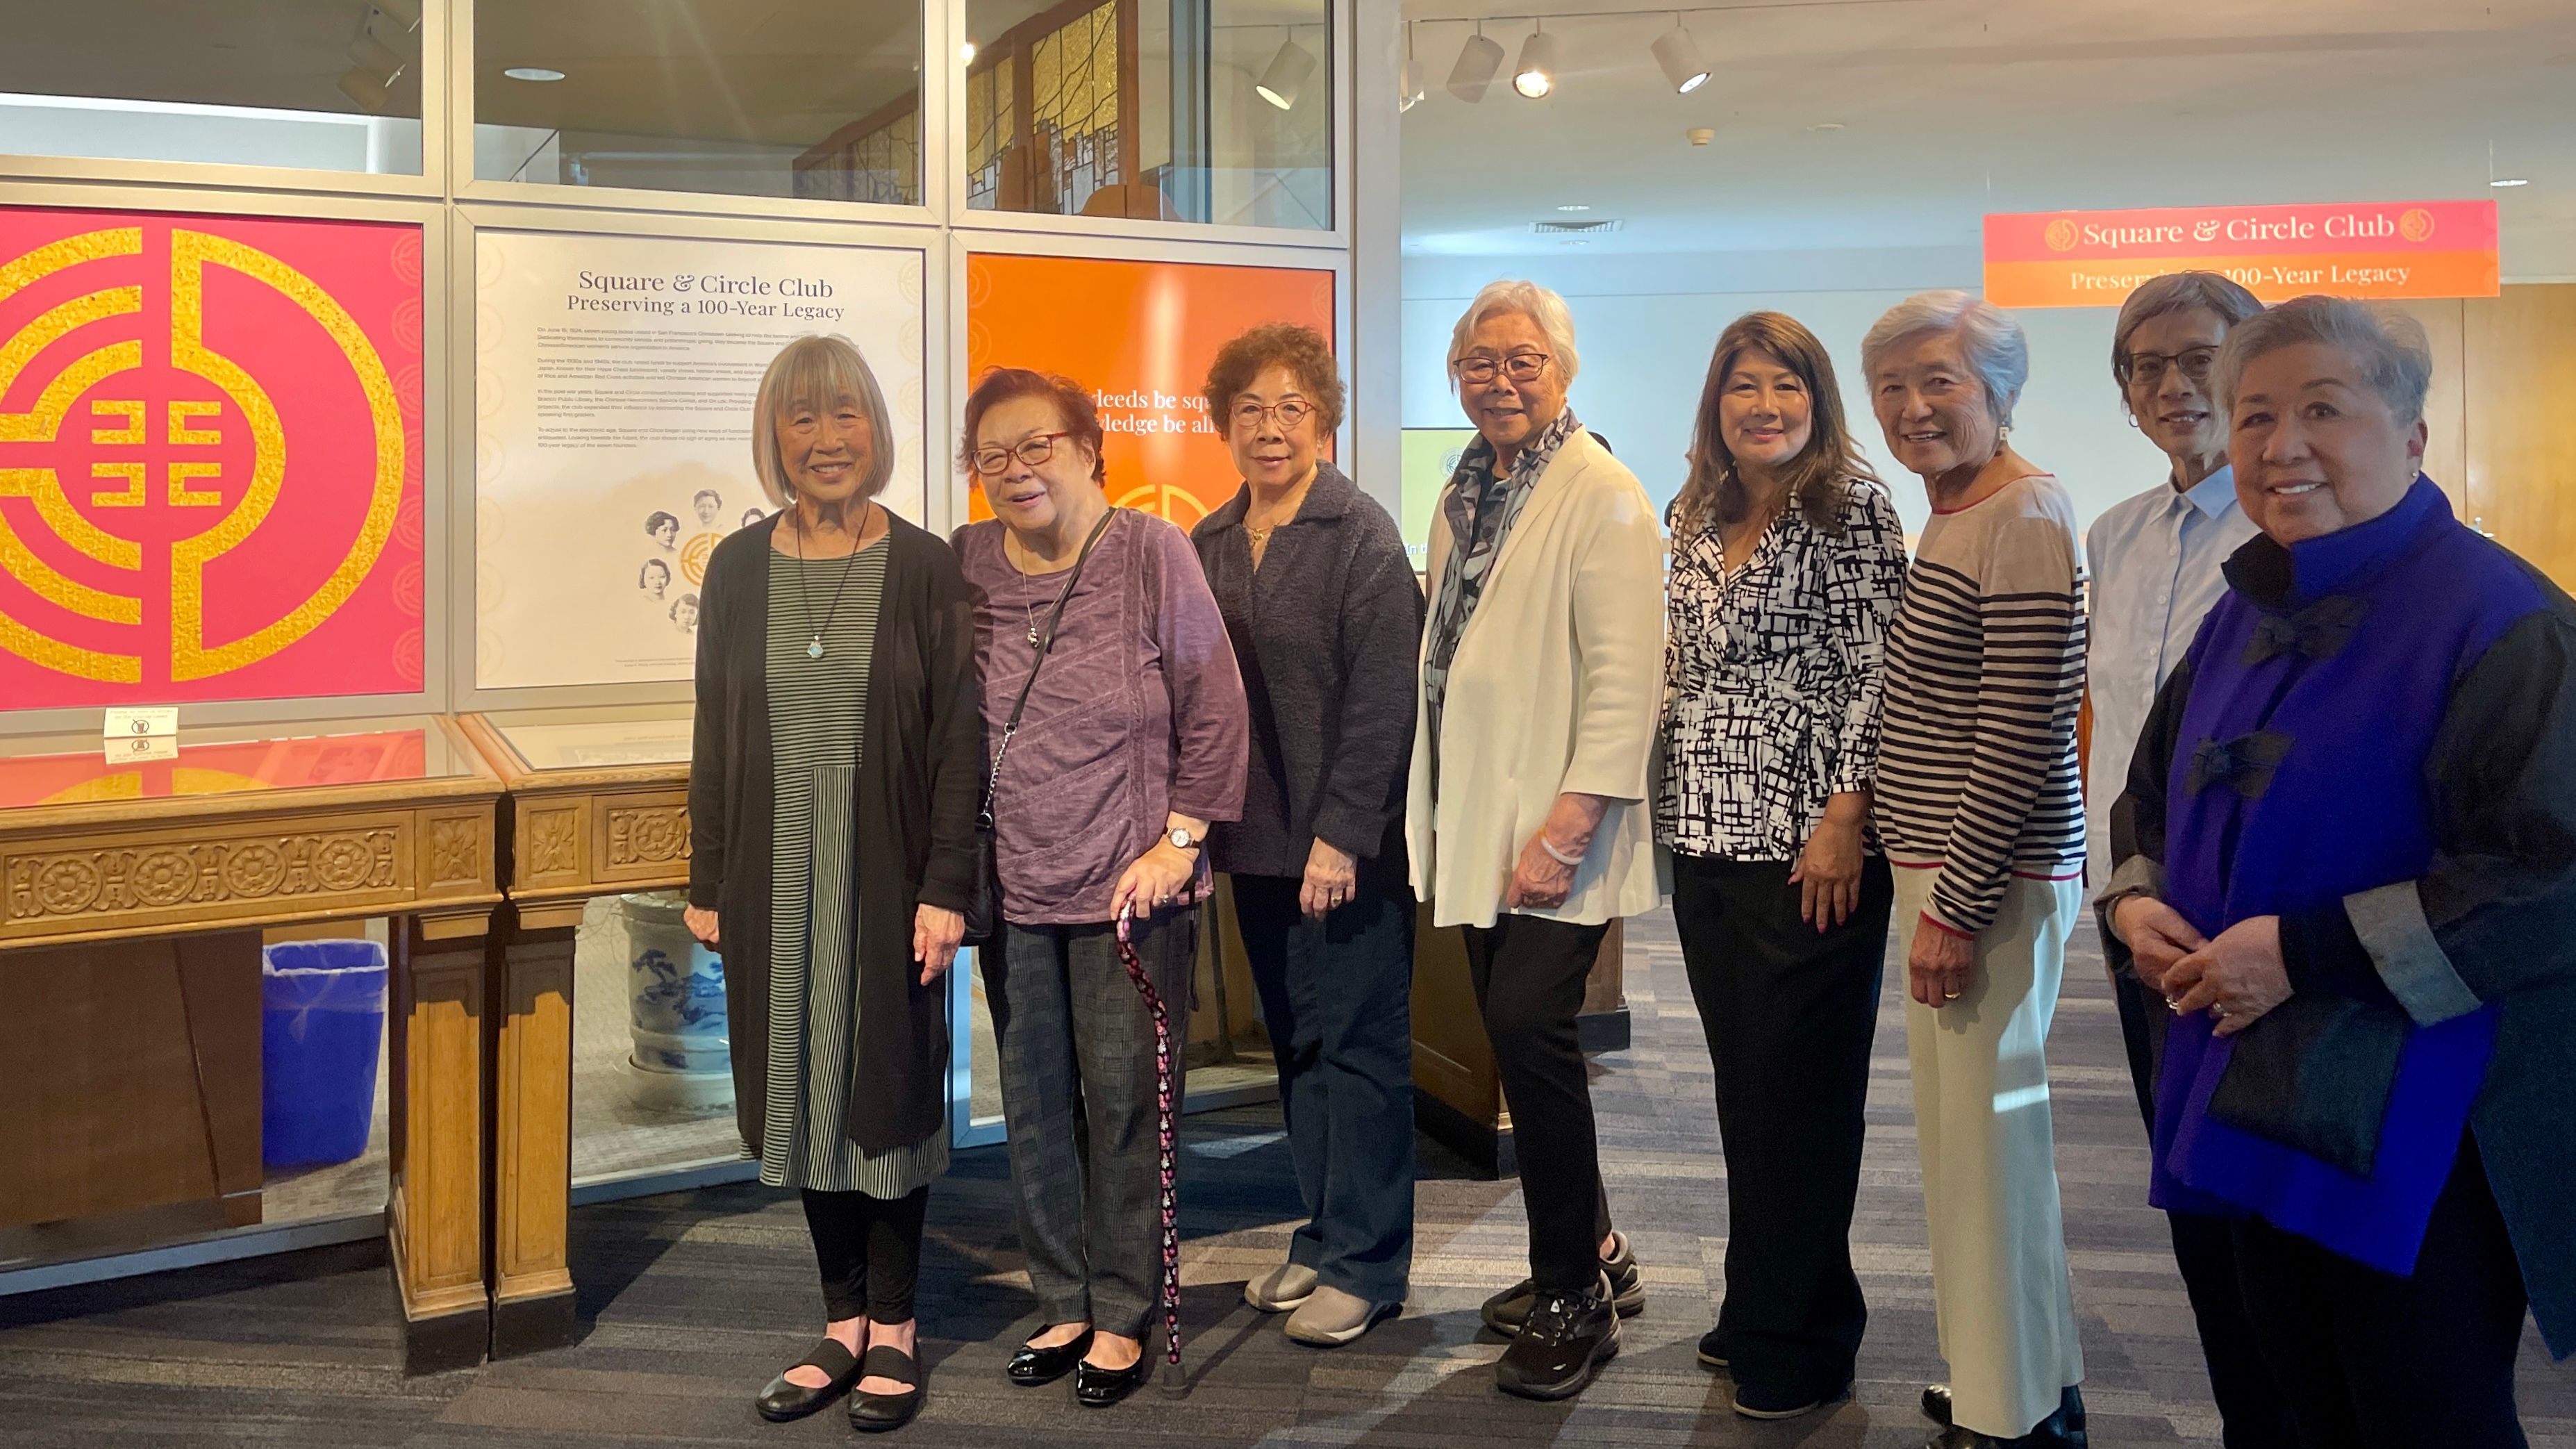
{"x": 984, "y": 911}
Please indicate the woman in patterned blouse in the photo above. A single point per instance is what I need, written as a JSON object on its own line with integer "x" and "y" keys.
{"x": 1787, "y": 564}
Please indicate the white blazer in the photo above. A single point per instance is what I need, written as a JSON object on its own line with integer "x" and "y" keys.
{"x": 1557, "y": 686}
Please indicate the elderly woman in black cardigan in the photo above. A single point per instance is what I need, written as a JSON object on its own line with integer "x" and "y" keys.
{"x": 1319, "y": 599}
{"x": 832, "y": 797}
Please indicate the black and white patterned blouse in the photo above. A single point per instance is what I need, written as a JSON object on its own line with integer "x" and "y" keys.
{"x": 1772, "y": 676}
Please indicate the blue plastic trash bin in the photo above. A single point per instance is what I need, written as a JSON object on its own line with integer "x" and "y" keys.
{"x": 322, "y": 1032}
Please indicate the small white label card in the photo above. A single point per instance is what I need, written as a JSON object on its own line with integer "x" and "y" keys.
{"x": 142, "y": 720}
{"x": 141, "y": 749}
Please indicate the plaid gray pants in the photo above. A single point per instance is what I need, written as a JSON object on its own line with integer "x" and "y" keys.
{"x": 1077, "y": 1058}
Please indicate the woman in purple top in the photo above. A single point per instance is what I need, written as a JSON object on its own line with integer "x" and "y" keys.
{"x": 1131, "y": 745}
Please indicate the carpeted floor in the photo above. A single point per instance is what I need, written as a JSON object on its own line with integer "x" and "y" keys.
{"x": 690, "y": 1302}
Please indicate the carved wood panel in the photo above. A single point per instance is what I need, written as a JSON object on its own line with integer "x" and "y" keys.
{"x": 642, "y": 837}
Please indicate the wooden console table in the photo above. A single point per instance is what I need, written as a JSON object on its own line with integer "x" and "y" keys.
{"x": 132, "y": 898}
{"x": 598, "y": 804}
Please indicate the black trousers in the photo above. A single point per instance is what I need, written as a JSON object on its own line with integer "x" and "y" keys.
{"x": 1528, "y": 973}
{"x": 869, "y": 1249}
{"x": 2252, "y": 1410}
{"x": 1337, "y": 997}
{"x": 1790, "y": 1014}
{"x": 2373, "y": 1361}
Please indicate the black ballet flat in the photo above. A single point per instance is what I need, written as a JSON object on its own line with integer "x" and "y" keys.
{"x": 878, "y": 1413}
{"x": 1033, "y": 1366}
{"x": 782, "y": 1401}
{"x": 1095, "y": 1387}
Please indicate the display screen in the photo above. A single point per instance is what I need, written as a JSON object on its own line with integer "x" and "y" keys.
{"x": 230, "y": 767}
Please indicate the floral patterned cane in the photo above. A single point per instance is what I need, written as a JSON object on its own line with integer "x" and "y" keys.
{"x": 1172, "y": 1381}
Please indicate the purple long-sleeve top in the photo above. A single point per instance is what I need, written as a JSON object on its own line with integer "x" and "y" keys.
{"x": 1138, "y": 714}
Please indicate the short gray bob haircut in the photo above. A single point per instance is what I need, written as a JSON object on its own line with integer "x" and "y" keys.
{"x": 818, "y": 371}
{"x": 1545, "y": 309}
{"x": 1994, "y": 343}
{"x": 2389, "y": 347}
{"x": 2177, "y": 292}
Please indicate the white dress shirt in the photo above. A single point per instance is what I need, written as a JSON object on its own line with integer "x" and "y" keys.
{"x": 2156, "y": 575}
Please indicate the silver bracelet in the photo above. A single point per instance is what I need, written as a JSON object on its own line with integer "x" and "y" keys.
{"x": 1559, "y": 856}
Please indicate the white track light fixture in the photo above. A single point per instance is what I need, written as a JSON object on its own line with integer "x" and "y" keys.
{"x": 1479, "y": 60}
{"x": 1409, "y": 80}
{"x": 1678, "y": 54}
{"x": 1535, "y": 76}
{"x": 1287, "y": 72}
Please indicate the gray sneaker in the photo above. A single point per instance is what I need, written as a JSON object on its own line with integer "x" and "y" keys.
{"x": 1281, "y": 1289}
{"x": 1330, "y": 1318}
{"x": 1506, "y": 1311}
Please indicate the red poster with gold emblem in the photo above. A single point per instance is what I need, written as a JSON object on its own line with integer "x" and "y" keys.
{"x": 210, "y": 458}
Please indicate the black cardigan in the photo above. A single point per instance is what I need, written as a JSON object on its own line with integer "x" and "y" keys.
{"x": 1330, "y": 646}
{"x": 920, "y": 766}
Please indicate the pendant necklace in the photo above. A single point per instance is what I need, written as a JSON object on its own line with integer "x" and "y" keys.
{"x": 814, "y": 650}
{"x": 1030, "y": 608}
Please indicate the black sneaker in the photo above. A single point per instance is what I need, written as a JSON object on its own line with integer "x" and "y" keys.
{"x": 1758, "y": 1402}
{"x": 1561, "y": 1346}
{"x": 1712, "y": 1350}
{"x": 1506, "y": 1311}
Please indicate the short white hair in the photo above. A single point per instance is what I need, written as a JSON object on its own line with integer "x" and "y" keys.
{"x": 1994, "y": 343}
{"x": 2389, "y": 347}
{"x": 1545, "y": 309}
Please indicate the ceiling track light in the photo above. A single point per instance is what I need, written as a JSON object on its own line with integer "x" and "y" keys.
{"x": 1288, "y": 71}
{"x": 1678, "y": 54}
{"x": 1479, "y": 60}
{"x": 1535, "y": 77}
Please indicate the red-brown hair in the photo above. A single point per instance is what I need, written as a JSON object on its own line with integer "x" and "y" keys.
{"x": 1008, "y": 384}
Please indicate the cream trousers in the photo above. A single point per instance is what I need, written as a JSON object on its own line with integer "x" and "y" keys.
{"x": 2004, "y": 1305}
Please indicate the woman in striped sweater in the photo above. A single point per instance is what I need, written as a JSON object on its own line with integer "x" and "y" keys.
{"x": 1980, "y": 811}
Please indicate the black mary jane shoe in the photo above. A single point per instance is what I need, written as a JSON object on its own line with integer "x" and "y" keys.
{"x": 878, "y": 1413}
{"x": 783, "y": 1401}
{"x": 1033, "y": 1366}
{"x": 1095, "y": 1387}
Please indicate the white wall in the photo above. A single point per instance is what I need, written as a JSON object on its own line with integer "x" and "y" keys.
{"x": 1645, "y": 353}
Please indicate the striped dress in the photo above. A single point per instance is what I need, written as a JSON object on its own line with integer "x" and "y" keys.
{"x": 817, "y": 718}
{"x": 1977, "y": 776}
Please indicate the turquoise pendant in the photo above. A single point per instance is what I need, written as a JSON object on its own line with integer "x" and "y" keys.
{"x": 815, "y": 649}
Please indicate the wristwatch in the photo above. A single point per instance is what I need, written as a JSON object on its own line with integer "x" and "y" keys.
{"x": 1181, "y": 839}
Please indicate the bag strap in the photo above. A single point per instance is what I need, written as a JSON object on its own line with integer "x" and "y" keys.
{"x": 1046, "y": 645}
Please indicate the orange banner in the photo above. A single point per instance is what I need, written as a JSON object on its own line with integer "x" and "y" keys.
{"x": 1140, "y": 335}
{"x": 2388, "y": 250}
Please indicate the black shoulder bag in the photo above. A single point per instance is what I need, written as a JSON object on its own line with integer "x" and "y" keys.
{"x": 984, "y": 913}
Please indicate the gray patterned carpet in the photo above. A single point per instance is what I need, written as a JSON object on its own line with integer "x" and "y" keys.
{"x": 690, "y": 1302}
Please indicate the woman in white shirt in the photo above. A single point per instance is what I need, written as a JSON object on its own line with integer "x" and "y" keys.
{"x": 1788, "y": 560}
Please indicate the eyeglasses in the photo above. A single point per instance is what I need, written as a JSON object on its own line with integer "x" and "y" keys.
{"x": 1033, "y": 450}
{"x": 2148, "y": 368}
{"x": 1248, "y": 415}
{"x": 1519, "y": 367}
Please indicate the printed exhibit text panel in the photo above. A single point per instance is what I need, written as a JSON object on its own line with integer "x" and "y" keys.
{"x": 614, "y": 383}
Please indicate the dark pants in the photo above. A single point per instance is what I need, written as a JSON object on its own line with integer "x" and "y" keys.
{"x": 869, "y": 1250}
{"x": 1528, "y": 973}
{"x": 1790, "y": 1014}
{"x": 2373, "y": 1361}
{"x": 1337, "y": 997}
{"x": 1078, "y": 1103}
{"x": 2252, "y": 1410}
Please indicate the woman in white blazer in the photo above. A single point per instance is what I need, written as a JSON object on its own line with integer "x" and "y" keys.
{"x": 1527, "y": 811}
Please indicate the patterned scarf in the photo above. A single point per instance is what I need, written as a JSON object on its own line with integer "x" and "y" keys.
{"x": 1481, "y": 510}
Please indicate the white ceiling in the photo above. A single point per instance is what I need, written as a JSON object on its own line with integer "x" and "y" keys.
{"x": 1953, "y": 108}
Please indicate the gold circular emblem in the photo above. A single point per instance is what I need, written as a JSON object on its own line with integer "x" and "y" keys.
{"x": 2415, "y": 224}
{"x": 2061, "y": 235}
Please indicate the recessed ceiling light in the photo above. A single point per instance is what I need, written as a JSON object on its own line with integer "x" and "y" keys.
{"x": 533, "y": 73}
{"x": 2510, "y": 181}
{"x": 1700, "y": 135}
{"x": 1826, "y": 126}
{"x": 1574, "y": 206}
